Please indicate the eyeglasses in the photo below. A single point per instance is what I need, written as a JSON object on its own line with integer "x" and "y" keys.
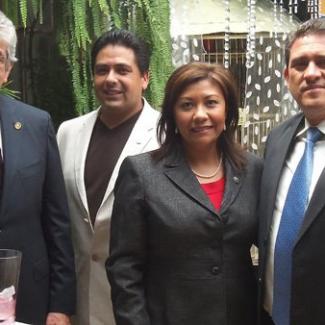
{"x": 3, "y": 58}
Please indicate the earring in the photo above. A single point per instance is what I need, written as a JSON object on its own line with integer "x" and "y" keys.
{"x": 224, "y": 127}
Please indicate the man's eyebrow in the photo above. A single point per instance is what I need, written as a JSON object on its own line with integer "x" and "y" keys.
{"x": 122, "y": 65}
{"x": 300, "y": 58}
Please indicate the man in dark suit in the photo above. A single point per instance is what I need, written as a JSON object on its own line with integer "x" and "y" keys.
{"x": 292, "y": 203}
{"x": 33, "y": 211}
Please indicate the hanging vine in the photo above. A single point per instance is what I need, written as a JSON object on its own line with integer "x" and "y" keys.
{"x": 79, "y": 22}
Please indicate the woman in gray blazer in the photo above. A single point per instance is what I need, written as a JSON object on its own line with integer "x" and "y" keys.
{"x": 184, "y": 215}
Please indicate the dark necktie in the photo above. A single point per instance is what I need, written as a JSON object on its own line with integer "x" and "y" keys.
{"x": 290, "y": 224}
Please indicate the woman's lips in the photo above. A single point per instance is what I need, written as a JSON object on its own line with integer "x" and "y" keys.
{"x": 201, "y": 128}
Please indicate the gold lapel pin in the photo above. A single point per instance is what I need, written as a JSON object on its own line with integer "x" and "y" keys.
{"x": 18, "y": 125}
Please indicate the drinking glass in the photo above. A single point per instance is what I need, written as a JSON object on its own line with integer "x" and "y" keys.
{"x": 9, "y": 276}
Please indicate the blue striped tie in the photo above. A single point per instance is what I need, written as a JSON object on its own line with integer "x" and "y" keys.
{"x": 290, "y": 224}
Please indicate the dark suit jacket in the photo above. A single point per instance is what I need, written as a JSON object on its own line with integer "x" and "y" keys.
{"x": 174, "y": 260}
{"x": 34, "y": 213}
{"x": 308, "y": 281}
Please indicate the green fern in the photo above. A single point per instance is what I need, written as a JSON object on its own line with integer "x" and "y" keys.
{"x": 152, "y": 21}
{"x": 41, "y": 17}
{"x": 103, "y": 7}
{"x": 23, "y": 11}
{"x": 4, "y": 90}
{"x": 10, "y": 8}
{"x": 99, "y": 19}
{"x": 116, "y": 19}
{"x": 35, "y": 4}
{"x": 96, "y": 23}
{"x": 82, "y": 21}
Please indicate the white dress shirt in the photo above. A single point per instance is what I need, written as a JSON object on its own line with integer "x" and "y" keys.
{"x": 285, "y": 180}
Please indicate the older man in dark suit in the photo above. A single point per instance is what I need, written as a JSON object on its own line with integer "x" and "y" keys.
{"x": 33, "y": 212}
{"x": 292, "y": 203}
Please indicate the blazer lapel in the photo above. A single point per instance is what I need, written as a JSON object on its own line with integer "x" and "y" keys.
{"x": 141, "y": 134}
{"x": 13, "y": 136}
{"x": 232, "y": 187}
{"x": 277, "y": 157}
{"x": 81, "y": 148}
{"x": 315, "y": 205}
{"x": 178, "y": 171}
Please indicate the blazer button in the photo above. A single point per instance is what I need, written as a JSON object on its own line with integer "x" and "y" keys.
{"x": 95, "y": 258}
{"x": 215, "y": 270}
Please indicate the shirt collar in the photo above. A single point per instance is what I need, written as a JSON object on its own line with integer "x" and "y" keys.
{"x": 302, "y": 133}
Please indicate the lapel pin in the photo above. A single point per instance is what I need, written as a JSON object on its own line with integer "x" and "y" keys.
{"x": 18, "y": 126}
{"x": 236, "y": 179}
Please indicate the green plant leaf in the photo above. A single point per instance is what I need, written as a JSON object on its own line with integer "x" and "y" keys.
{"x": 4, "y": 90}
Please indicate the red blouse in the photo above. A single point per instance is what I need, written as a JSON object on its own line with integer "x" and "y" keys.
{"x": 215, "y": 191}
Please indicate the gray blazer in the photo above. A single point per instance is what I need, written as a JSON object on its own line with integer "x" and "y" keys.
{"x": 308, "y": 262}
{"x": 174, "y": 259}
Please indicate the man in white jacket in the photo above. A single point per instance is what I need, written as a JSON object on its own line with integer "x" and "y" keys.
{"x": 92, "y": 148}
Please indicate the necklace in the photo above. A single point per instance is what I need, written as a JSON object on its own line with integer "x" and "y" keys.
{"x": 211, "y": 175}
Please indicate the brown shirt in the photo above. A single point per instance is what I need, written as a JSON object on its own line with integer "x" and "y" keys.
{"x": 104, "y": 150}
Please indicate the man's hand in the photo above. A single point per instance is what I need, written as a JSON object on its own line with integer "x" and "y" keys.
{"x": 57, "y": 319}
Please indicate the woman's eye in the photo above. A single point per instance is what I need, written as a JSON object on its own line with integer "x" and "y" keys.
{"x": 212, "y": 103}
{"x": 186, "y": 105}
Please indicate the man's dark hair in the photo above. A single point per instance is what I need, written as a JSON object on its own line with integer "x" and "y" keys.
{"x": 310, "y": 27}
{"x": 127, "y": 39}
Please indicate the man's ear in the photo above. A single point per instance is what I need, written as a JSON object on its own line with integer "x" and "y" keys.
{"x": 145, "y": 80}
{"x": 286, "y": 74}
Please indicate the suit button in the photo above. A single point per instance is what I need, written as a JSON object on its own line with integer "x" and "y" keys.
{"x": 95, "y": 257}
{"x": 260, "y": 280}
{"x": 215, "y": 270}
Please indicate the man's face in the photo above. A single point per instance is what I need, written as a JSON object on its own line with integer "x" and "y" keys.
{"x": 305, "y": 75}
{"x": 5, "y": 65}
{"x": 118, "y": 82}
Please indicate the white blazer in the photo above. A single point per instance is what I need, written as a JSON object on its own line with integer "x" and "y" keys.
{"x": 94, "y": 305}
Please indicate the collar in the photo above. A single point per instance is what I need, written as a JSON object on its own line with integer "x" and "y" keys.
{"x": 302, "y": 133}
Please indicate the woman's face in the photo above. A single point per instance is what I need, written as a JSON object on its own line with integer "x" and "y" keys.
{"x": 200, "y": 114}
